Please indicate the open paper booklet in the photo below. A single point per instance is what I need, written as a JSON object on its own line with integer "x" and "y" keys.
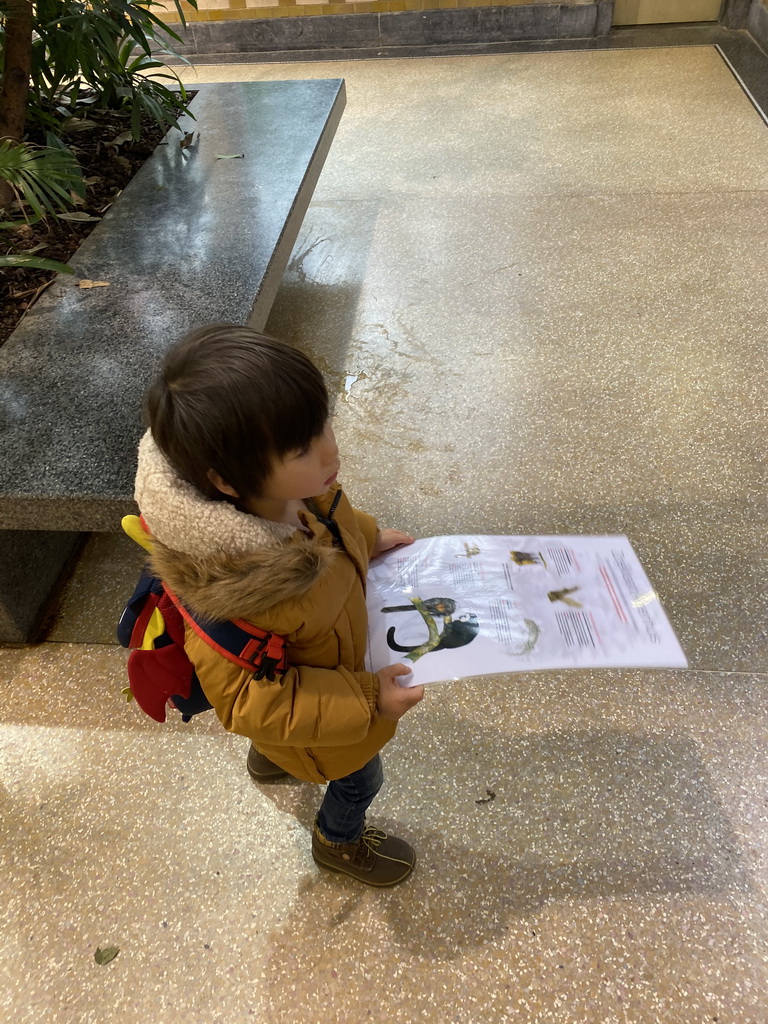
{"x": 467, "y": 606}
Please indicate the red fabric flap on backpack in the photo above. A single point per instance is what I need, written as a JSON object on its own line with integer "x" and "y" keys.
{"x": 157, "y": 675}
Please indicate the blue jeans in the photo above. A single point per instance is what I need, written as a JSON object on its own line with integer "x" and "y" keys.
{"x": 341, "y": 817}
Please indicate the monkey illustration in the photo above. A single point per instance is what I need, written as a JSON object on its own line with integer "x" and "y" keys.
{"x": 456, "y": 632}
{"x": 434, "y": 605}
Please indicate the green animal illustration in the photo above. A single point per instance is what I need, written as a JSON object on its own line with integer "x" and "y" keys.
{"x": 455, "y": 633}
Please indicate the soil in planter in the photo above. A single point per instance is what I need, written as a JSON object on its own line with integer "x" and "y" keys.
{"x": 107, "y": 170}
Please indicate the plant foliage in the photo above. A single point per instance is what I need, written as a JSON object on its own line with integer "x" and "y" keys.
{"x": 19, "y": 259}
{"x": 45, "y": 176}
{"x": 82, "y": 54}
{"x": 102, "y": 53}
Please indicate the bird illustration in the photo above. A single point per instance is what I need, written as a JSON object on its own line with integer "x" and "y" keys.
{"x": 562, "y": 595}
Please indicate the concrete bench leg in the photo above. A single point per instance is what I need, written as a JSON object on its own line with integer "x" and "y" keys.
{"x": 33, "y": 564}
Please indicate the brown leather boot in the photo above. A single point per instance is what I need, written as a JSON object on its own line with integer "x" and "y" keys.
{"x": 376, "y": 858}
{"x": 261, "y": 769}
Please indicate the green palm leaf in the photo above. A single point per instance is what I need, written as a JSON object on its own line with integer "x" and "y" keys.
{"x": 17, "y": 259}
{"x": 44, "y": 176}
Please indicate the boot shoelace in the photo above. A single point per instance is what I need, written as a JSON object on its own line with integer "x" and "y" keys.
{"x": 373, "y": 837}
{"x": 369, "y": 842}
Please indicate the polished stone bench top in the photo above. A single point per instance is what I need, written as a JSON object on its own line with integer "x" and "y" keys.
{"x": 192, "y": 240}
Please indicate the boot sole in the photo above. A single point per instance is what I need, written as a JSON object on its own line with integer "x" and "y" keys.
{"x": 268, "y": 778}
{"x": 271, "y": 776}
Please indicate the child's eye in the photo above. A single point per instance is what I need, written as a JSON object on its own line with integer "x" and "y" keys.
{"x": 304, "y": 450}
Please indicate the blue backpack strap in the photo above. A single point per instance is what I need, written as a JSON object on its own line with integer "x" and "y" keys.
{"x": 138, "y": 609}
{"x": 195, "y": 703}
{"x": 257, "y": 650}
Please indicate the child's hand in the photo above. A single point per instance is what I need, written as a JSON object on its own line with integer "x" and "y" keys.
{"x": 388, "y": 539}
{"x": 394, "y": 700}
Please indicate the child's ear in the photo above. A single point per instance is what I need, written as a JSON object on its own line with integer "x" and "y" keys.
{"x": 221, "y": 485}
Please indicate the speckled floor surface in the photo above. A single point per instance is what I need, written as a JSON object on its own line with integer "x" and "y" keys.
{"x": 537, "y": 286}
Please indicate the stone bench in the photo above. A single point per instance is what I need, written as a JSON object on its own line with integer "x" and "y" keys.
{"x": 193, "y": 239}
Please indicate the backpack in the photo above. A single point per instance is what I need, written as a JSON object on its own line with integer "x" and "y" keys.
{"x": 152, "y": 627}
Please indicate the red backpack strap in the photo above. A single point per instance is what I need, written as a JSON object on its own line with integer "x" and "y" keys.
{"x": 171, "y": 612}
{"x": 254, "y": 649}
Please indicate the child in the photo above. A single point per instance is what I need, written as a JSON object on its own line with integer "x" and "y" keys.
{"x": 237, "y": 486}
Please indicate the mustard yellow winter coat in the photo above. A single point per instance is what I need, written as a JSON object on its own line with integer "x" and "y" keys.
{"x": 317, "y": 720}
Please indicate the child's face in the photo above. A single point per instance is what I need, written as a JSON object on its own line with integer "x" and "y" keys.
{"x": 305, "y": 473}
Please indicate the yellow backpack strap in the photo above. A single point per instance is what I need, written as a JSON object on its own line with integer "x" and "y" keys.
{"x": 133, "y": 527}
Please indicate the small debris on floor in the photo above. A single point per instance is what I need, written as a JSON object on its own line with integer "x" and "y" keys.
{"x": 487, "y": 799}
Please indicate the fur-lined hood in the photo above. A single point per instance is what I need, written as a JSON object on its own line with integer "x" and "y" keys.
{"x": 223, "y": 563}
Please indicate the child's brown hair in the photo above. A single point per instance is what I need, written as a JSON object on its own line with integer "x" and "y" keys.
{"x": 231, "y": 400}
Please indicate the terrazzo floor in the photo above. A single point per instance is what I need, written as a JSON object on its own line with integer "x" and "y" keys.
{"x": 536, "y": 284}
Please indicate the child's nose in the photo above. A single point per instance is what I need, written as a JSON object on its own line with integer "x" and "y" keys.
{"x": 331, "y": 449}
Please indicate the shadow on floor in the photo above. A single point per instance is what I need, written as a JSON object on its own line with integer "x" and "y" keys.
{"x": 598, "y": 814}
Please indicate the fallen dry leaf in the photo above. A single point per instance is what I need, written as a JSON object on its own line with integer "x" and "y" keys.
{"x": 121, "y": 138}
{"x": 80, "y": 217}
{"x": 106, "y": 955}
